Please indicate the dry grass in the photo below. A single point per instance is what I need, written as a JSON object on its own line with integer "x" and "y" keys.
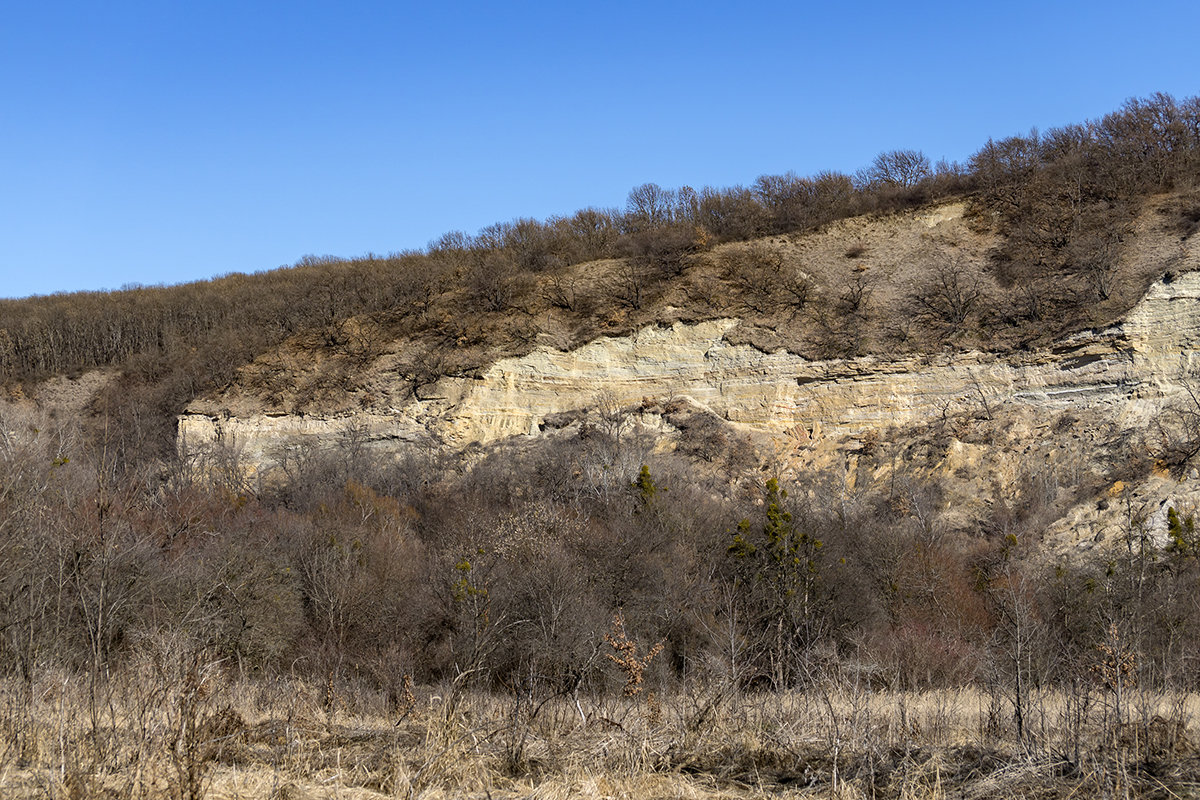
{"x": 862, "y": 275}
{"x": 287, "y": 738}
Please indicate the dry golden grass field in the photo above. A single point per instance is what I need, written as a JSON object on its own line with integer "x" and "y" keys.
{"x": 189, "y": 730}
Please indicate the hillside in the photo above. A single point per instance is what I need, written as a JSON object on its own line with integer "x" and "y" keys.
{"x": 693, "y": 381}
{"x": 873, "y": 485}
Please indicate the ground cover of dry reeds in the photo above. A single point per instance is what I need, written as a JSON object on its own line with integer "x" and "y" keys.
{"x": 190, "y": 730}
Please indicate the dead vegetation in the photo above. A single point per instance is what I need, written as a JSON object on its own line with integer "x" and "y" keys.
{"x": 588, "y": 619}
{"x": 433, "y": 624}
{"x": 194, "y": 730}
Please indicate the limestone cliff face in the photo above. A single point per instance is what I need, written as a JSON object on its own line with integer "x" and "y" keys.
{"x": 1125, "y": 371}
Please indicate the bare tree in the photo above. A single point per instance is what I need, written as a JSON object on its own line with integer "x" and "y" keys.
{"x": 491, "y": 282}
{"x": 897, "y": 168}
{"x": 649, "y": 206}
{"x": 593, "y": 232}
{"x": 1178, "y": 427}
{"x": 561, "y": 291}
{"x": 950, "y": 294}
{"x": 732, "y": 213}
{"x": 1094, "y": 256}
{"x": 756, "y": 274}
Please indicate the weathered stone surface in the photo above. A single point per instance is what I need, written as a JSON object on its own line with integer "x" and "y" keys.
{"x": 1125, "y": 371}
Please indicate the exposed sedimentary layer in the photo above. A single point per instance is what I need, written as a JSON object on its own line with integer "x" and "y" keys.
{"x": 1125, "y": 370}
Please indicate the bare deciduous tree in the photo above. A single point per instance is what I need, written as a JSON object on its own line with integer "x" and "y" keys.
{"x": 756, "y": 274}
{"x": 649, "y": 206}
{"x": 950, "y": 294}
{"x": 897, "y": 168}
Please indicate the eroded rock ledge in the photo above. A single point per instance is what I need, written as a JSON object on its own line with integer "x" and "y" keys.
{"x": 1126, "y": 371}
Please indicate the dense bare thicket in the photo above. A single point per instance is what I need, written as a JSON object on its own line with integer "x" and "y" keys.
{"x": 503, "y": 576}
{"x": 1066, "y": 199}
{"x": 511, "y": 569}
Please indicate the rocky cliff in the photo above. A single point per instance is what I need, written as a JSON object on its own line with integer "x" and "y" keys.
{"x": 1125, "y": 372}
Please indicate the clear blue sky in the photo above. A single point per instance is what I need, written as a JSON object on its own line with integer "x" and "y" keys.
{"x": 165, "y": 141}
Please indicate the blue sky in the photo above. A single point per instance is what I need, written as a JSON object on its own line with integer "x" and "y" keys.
{"x": 166, "y": 141}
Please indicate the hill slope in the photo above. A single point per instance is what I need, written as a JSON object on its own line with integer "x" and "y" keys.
{"x": 1085, "y": 396}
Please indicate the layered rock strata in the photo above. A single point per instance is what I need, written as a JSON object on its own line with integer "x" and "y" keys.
{"x": 1126, "y": 370}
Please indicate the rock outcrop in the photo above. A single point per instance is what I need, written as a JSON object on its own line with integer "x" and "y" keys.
{"x": 1125, "y": 372}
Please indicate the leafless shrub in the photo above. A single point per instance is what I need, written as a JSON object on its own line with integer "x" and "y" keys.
{"x": 1094, "y": 255}
{"x": 492, "y": 282}
{"x": 798, "y": 288}
{"x": 855, "y": 294}
{"x": 424, "y": 368}
{"x": 1178, "y": 428}
{"x": 950, "y": 295}
{"x": 561, "y": 291}
{"x": 757, "y": 277}
{"x": 1189, "y": 222}
{"x": 629, "y": 284}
